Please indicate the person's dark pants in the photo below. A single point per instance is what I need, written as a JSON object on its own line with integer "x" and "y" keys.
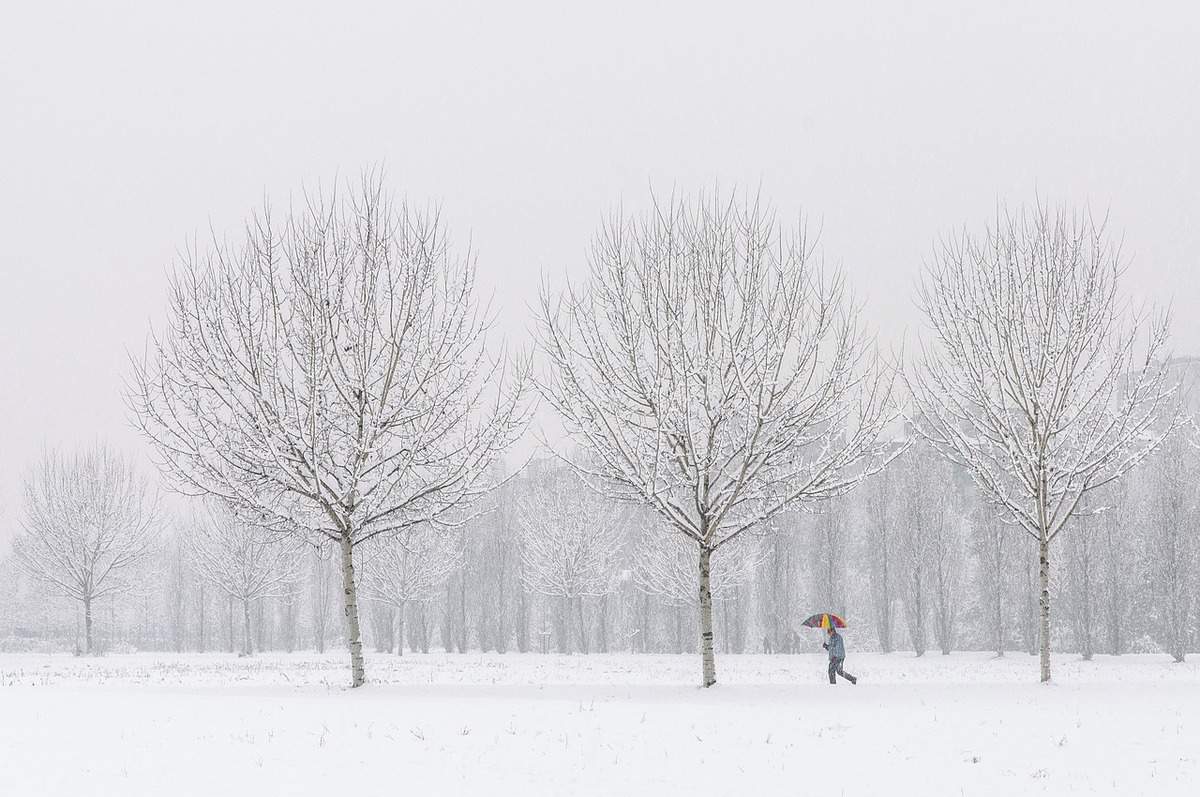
{"x": 835, "y": 668}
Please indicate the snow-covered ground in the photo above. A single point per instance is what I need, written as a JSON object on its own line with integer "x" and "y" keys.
{"x": 166, "y": 725}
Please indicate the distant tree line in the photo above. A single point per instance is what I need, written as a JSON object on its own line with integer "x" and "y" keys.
{"x": 327, "y": 403}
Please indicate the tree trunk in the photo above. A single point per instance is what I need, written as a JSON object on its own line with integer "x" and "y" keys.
{"x": 289, "y": 620}
{"x": 263, "y": 643}
{"x": 448, "y": 618}
{"x": 462, "y": 611}
{"x": 246, "y": 647}
{"x": 353, "y": 635}
{"x": 1087, "y": 603}
{"x": 562, "y": 625}
{"x": 501, "y": 612}
{"x": 1044, "y": 605}
{"x": 583, "y": 641}
{"x": 201, "y": 616}
{"x": 726, "y": 637}
{"x": 603, "y": 641}
{"x": 1115, "y": 604}
{"x": 647, "y": 618}
{"x": 400, "y": 629}
{"x": 87, "y": 625}
{"x": 708, "y": 663}
{"x": 999, "y": 610}
{"x": 885, "y": 611}
{"x": 423, "y": 627}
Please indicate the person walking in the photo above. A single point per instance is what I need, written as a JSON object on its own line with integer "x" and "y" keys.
{"x": 837, "y": 655}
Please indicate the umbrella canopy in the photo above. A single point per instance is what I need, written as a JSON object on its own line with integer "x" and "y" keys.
{"x": 824, "y": 620}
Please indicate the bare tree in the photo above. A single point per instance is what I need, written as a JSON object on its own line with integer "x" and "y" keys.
{"x": 1081, "y": 543}
{"x": 881, "y": 541}
{"x": 913, "y": 545}
{"x": 946, "y": 551}
{"x": 1116, "y": 553}
{"x": 321, "y": 594}
{"x": 499, "y": 545}
{"x": 245, "y": 562}
{"x": 713, "y": 373}
{"x": 570, "y": 545}
{"x": 993, "y": 559}
{"x": 88, "y": 522}
{"x": 410, "y": 568}
{"x": 330, "y": 375}
{"x": 1171, "y": 542}
{"x": 826, "y": 556}
{"x": 1030, "y": 383}
{"x": 927, "y": 547}
{"x": 779, "y": 584}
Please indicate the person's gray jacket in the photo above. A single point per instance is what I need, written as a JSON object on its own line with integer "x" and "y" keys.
{"x": 834, "y": 644}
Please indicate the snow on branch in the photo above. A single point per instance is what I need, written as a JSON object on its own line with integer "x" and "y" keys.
{"x": 87, "y": 521}
{"x": 571, "y": 541}
{"x": 664, "y": 565}
{"x": 330, "y": 370}
{"x": 410, "y": 566}
{"x": 1037, "y": 378}
{"x": 714, "y": 370}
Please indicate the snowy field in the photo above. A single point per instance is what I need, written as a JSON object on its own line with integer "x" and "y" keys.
{"x": 156, "y": 724}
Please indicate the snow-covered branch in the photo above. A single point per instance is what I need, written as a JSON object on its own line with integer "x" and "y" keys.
{"x": 329, "y": 375}
{"x": 88, "y": 521}
{"x": 715, "y": 372}
{"x": 1036, "y": 379}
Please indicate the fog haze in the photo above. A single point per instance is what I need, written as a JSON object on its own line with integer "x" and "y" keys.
{"x": 129, "y": 127}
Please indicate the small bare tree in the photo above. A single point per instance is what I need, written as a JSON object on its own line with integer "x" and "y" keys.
{"x": 946, "y": 554}
{"x": 913, "y": 545}
{"x": 1116, "y": 547}
{"x": 1029, "y": 382}
{"x": 322, "y": 589}
{"x": 245, "y": 562}
{"x": 883, "y": 568}
{"x": 329, "y": 374}
{"x": 410, "y": 567}
{"x": 993, "y": 558}
{"x": 713, "y": 373}
{"x": 1172, "y": 545}
{"x": 89, "y": 521}
{"x": 1082, "y": 541}
{"x": 570, "y": 543}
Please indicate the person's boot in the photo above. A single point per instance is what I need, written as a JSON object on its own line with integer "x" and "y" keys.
{"x": 853, "y": 680}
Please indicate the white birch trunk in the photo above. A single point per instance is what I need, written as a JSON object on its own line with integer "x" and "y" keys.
{"x": 353, "y": 634}
{"x": 247, "y": 648}
{"x": 400, "y": 629}
{"x": 583, "y": 641}
{"x": 1044, "y": 606}
{"x": 87, "y": 625}
{"x": 709, "y": 665}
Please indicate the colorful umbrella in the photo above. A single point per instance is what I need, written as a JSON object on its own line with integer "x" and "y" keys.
{"x": 824, "y": 620}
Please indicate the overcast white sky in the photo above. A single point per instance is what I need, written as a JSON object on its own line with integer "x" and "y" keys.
{"x": 127, "y": 127}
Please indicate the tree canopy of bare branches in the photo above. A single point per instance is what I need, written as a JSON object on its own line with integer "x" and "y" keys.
{"x": 713, "y": 371}
{"x": 329, "y": 375}
{"x": 88, "y": 520}
{"x": 246, "y": 562}
{"x": 571, "y": 542}
{"x": 410, "y": 567}
{"x": 1036, "y": 380}
{"x": 664, "y": 565}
